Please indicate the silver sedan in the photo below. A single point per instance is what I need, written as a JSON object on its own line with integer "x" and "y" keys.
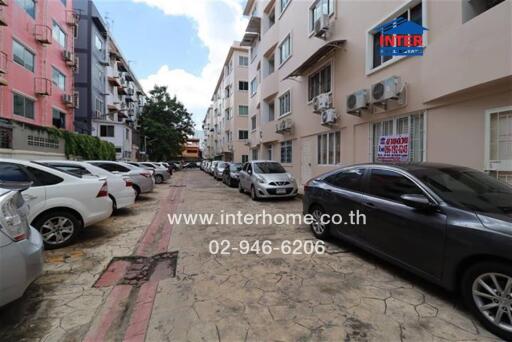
{"x": 266, "y": 179}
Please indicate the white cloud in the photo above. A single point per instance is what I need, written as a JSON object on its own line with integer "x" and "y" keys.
{"x": 218, "y": 24}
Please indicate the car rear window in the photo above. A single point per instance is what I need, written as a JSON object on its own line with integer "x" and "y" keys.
{"x": 235, "y": 167}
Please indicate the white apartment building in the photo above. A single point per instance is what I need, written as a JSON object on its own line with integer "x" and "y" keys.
{"x": 225, "y": 124}
{"x": 321, "y": 95}
{"x": 124, "y": 101}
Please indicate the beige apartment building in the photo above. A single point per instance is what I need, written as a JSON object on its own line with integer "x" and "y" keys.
{"x": 320, "y": 94}
{"x": 225, "y": 124}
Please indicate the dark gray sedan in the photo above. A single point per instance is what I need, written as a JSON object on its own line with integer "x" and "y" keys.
{"x": 451, "y": 225}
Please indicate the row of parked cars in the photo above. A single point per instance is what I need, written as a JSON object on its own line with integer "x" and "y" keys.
{"x": 449, "y": 224}
{"x": 260, "y": 178}
{"x": 46, "y": 203}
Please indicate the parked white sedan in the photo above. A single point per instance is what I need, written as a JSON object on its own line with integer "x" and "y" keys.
{"x": 120, "y": 188}
{"x": 21, "y": 247}
{"x": 61, "y": 203}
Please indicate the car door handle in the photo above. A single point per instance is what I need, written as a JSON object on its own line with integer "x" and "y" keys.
{"x": 30, "y": 197}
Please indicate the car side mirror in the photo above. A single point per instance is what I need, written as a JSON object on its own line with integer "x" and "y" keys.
{"x": 420, "y": 202}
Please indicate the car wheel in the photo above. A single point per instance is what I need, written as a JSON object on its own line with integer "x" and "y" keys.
{"x": 487, "y": 292}
{"x": 320, "y": 230}
{"x": 240, "y": 188}
{"x": 58, "y": 228}
{"x": 114, "y": 204}
{"x": 137, "y": 191}
{"x": 159, "y": 179}
{"x": 254, "y": 195}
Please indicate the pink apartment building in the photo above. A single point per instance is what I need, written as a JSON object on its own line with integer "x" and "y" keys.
{"x": 37, "y": 65}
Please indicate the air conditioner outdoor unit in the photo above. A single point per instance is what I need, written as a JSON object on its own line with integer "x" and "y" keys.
{"x": 99, "y": 115}
{"x": 388, "y": 89}
{"x": 68, "y": 56}
{"x": 328, "y": 117}
{"x": 321, "y": 26}
{"x": 76, "y": 100}
{"x": 322, "y": 102}
{"x": 67, "y": 99}
{"x": 357, "y": 102}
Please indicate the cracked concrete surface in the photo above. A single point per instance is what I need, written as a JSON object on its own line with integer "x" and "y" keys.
{"x": 61, "y": 304}
{"x": 344, "y": 294}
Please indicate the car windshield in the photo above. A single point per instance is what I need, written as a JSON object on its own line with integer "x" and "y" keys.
{"x": 222, "y": 165}
{"x": 468, "y": 189}
{"x": 235, "y": 167}
{"x": 268, "y": 167}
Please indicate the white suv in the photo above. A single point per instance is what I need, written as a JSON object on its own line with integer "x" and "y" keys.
{"x": 61, "y": 203}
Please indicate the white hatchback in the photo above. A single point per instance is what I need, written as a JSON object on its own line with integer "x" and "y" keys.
{"x": 61, "y": 203}
{"x": 120, "y": 188}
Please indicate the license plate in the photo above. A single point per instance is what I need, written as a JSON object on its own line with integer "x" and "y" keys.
{"x": 280, "y": 191}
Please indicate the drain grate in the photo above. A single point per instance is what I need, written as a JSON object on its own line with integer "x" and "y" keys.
{"x": 136, "y": 270}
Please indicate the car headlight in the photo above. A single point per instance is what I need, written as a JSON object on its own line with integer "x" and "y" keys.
{"x": 260, "y": 179}
{"x": 290, "y": 177}
{"x": 11, "y": 222}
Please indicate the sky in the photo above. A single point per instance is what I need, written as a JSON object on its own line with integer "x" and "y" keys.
{"x": 181, "y": 44}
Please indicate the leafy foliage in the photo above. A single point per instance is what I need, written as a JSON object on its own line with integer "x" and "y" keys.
{"x": 84, "y": 146}
{"x": 166, "y": 123}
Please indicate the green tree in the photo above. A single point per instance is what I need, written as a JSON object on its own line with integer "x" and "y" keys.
{"x": 166, "y": 123}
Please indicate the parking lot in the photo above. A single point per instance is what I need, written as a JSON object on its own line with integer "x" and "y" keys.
{"x": 341, "y": 294}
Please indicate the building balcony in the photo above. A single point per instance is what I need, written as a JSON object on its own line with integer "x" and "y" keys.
{"x": 269, "y": 39}
{"x": 113, "y": 107}
{"x": 98, "y": 115}
{"x": 252, "y": 31}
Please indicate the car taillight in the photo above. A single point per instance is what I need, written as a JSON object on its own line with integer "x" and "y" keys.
{"x": 128, "y": 182}
{"x": 146, "y": 174}
{"x": 103, "y": 190}
{"x": 11, "y": 222}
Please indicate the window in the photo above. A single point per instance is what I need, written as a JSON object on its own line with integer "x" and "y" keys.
{"x": 285, "y": 50}
{"x": 64, "y": 2}
{"x": 243, "y": 85}
{"x": 271, "y": 111}
{"x": 347, "y": 179}
{"x": 270, "y": 63}
{"x": 243, "y": 110}
{"x": 43, "y": 178}
{"x": 227, "y": 91}
{"x": 58, "y": 118}
{"x": 271, "y": 17}
{"x": 227, "y": 113}
{"x": 284, "y": 4}
{"x": 253, "y": 122}
{"x": 23, "y": 106}
{"x": 29, "y": 6}
{"x": 243, "y": 60}
{"x": 254, "y": 86}
{"x": 286, "y": 151}
{"x": 284, "y": 104}
{"x": 243, "y": 134}
{"x": 269, "y": 152}
{"x": 98, "y": 42}
{"x": 58, "y": 79}
{"x": 319, "y": 82}
{"x": 112, "y": 166}
{"x": 254, "y": 152}
{"x": 22, "y": 56}
{"x": 391, "y": 185}
{"x": 412, "y": 125}
{"x": 471, "y": 8}
{"x": 413, "y": 13}
{"x": 328, "y": 148}
{"x": 107, "y": 131}
{"x": 245, "y": 158}
{"x": 10, "y": 172}
{"x": 318, "y": 9}
{"x": 58, "y": 35}
{"x": 74, "y": 169}
{"x": 99, "y": 105}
